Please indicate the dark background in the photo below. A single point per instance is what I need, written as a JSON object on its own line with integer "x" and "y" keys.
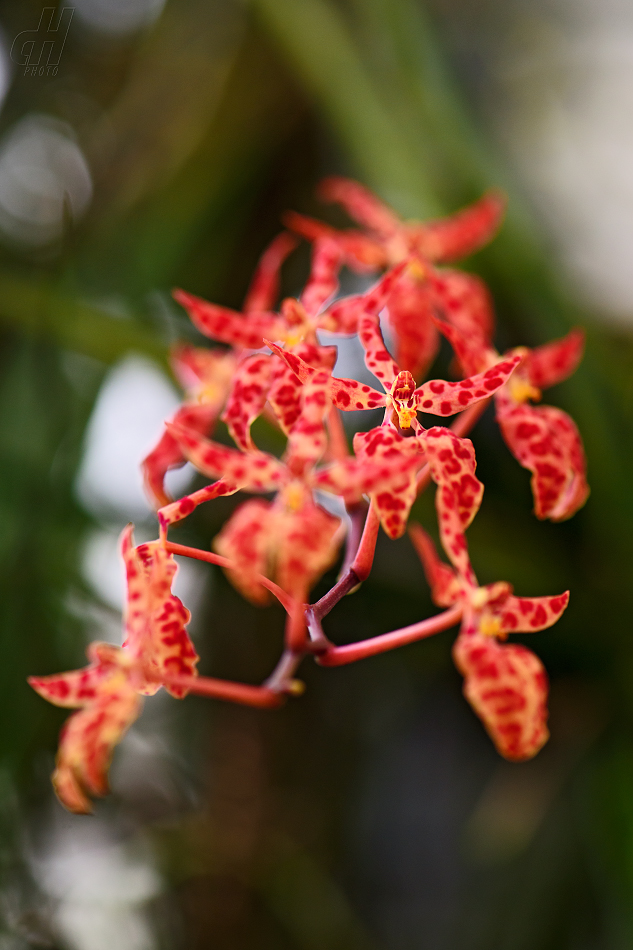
{"x": 373, "y": 814}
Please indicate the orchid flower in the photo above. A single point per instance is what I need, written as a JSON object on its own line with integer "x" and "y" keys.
{"x": 544, "y": 439}
{"x": 108, "y": 691}
{"x": 505, "y": 684}
{"x": 206, "y": 377}
{"x": 388, "y": 240}
{"x": 400, "y": 395}
{"x": 292, "y": 536}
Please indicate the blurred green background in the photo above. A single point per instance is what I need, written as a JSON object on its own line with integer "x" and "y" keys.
{"x": 373, "y": 814}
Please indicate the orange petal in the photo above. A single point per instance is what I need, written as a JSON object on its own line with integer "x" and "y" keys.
{"x": 545, "y": 440}
{"x": 506, "y": 685}
{"x": 445, "y": 399}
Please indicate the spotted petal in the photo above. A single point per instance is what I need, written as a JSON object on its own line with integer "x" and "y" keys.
{"x": 285, "y": 391}
{"x": 229, "y": 326}
{"x": 411, "y": 319}
{"x": 362, "y": 253}
{"x": 346, "y": 394}
{"x": 247, "y": 398}
{"x": 461, "y": 234}
{"x": 307, "y": 441}
{"x": 546, "y": 442}
{"x": 445, "y": 588}
{"x": 378, "y": 359}
{"x": 452, "y": 464}
{"x": 361, "y": 204}
{"x": 464, "y": 302}
{"x": 245, "y": 540}
{"x": 156, "y": 635}
{"x": 395, "y": 495}
{"x": 343, "y": 315}
{"x": 167, "y": 454}
{"x": 527, "y": 614}
{"x": 253, "y": 471}
{"x": 323, "y": 281}
{"x": 552, "y": 363}
{"x": 506, "y": 685}
{"x": 442, "y": 398}
{"x": 78, "y": 688}
{"x": 88, "y": 739}
{"x": 264, "y": 287}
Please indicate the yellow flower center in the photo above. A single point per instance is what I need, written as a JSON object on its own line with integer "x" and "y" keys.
{"x": 521, "y": 389}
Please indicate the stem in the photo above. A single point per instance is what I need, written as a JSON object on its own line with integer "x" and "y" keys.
{"x": 295, "y": 636}
{"x": 281, "y": 680}
{"x": 361, "y": 565}
{"x": 339, "y": 656}
{"x": 260, "y": 696}
{"x": 357, "y": 515}
{"x": 343, "y": 586}
{"x": 284, "y": 599}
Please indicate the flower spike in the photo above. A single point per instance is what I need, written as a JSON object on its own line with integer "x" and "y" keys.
{"x": 505, "y": 683}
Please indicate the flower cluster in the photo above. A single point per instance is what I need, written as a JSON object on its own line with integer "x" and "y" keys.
{"x": 271, "y": 362}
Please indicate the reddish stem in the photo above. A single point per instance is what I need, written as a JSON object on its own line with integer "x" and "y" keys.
{"x": 259, "y": 696}
{"x": 361, "y": 565}
{"x": 284, "y": 599}
{"x": 338, "y": 656}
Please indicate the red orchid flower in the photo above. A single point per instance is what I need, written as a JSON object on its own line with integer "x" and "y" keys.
{"x": 400, "y": 395}
{"x": 108, "y": 691}
{"x": 505, "y": 684}
{"x": 206, "y": 377}
{"x": 544, "y": 439}
{"x": 387, "y": 240}
{"x": 293, "y": 536}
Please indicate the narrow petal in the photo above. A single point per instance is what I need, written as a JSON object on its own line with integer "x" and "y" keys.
{"x": 229, "y": 326}
{"x": 361, "y": 204}
{"x": 156, "y": 637}
{"x": 452, "y": 463}
{"x": 445, "y": 588}
{"x": 465, "y": 302}
{"x": 253, "y": 471}
{"x": 527, "y": 614}
{"x": 285, "y": 391}
{"x": 343, "y": 315}
{"x": 168, "y": 649}
{"x": 394, "y": 497}
{"x": 378, "y": 359}
{"x": 74, "y": 689}
{"x": 167, "y": 454}
{"x": 177, "y": 510}
{"x": 362, "y": 253}
{"x": 322, "y": 284}
{"x": 87, "y": 742}
{"x": 204, "y": 374}
{"x": 346, "y": 394}
{"x": 247, "y": 398}
{"x": 506, "y": 685}
{"x": 245, "y": 539}
{"x": 546, "y": 442}
{"x": 305, "y": 545}
{"x": 552, "y": 363}
{"x": 411, "y": 318}
{"x": 264, "y": 287}
{"x": 351, "y": 478}
{"x": 461, "y": 234}
{"x": 307, "y": 441}
{"x": 445, "y": 399}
